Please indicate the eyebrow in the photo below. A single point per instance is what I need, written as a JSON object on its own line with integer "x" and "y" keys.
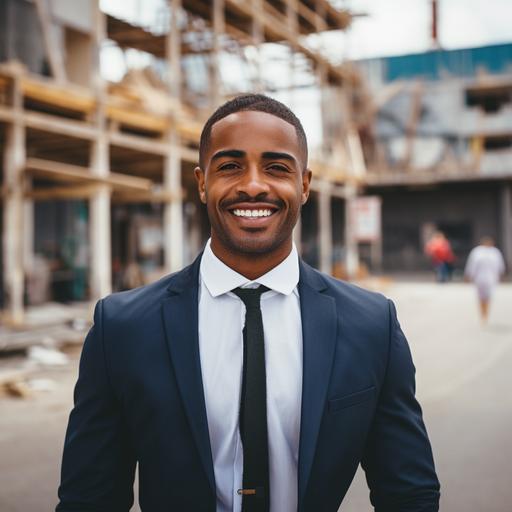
{"x": 267, "y": 155}
{"x": 233, "y": 153}
{"x": 275, "y": 155}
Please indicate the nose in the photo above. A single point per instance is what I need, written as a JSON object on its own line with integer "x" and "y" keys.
{"x": 253, "y": 181}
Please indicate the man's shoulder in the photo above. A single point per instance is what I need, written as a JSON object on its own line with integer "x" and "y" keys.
{"x": 347, "y": 295}
{"x": 361, "y": 311}
{"x": 144, "y": 299}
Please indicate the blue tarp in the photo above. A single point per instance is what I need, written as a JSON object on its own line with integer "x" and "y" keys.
{"x": 436, "y": 64}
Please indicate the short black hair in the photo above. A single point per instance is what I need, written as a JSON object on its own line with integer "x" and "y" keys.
{"x": 253, "y": 102}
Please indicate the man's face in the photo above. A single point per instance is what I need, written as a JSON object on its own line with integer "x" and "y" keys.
{"x": 253, "y": 184}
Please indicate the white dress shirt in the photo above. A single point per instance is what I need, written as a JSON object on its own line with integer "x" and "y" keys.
{"x": 221, "y": 320}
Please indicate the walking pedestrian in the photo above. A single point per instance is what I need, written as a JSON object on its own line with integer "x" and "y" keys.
{"x": 441, "y": 254}
{"x": 484, "y": 267}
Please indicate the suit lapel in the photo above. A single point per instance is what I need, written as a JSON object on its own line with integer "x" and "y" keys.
{"x": 319, "y": 330}
{"x": 180, "y": 316}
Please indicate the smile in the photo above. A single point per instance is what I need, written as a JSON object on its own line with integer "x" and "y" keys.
{"x": 252, "y": 213}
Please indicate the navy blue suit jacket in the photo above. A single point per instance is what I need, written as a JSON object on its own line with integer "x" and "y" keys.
{"x": 139, "y": 399}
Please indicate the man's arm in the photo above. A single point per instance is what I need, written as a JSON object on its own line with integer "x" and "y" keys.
{"x": 98, "y": 465}
{"x": 398, "y": 460}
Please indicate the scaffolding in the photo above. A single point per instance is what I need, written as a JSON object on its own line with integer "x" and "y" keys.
{"x": 117, "y": 157}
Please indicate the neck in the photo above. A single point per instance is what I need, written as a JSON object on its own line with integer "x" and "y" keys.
{"x": 252, "y": 265}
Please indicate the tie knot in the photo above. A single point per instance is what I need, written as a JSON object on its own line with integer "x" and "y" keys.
{"x": 251, "y": 296}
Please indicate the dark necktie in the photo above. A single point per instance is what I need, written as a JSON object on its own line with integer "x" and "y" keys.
{"x": 253, "y": 407}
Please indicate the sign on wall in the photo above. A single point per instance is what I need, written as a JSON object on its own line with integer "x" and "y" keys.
{"x": 366, "y": 218}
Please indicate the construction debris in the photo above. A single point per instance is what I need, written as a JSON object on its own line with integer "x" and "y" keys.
{"x": 17, "y": 389}
{"x": 46, "y": 356}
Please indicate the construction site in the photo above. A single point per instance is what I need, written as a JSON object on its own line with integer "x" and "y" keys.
{"x": 98, "y": 193}
{"x": 100, "y": 118}
{"x": 102, "y": 103}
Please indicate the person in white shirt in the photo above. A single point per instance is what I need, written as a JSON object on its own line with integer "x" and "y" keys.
{"x": 484, "y": 268}
{"x": 248, "y": 381}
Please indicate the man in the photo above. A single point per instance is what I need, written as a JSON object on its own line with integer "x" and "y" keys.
{"x": 247, "y": 381}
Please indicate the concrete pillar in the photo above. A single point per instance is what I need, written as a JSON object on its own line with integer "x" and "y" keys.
{"x": 173, "y": 208}
{"x": 28, "y": 234}
{"x": 325, "y": 226}
{"x": 14, "y": 164}
{"x": 99, "y": 223}
{"x": 506, "y": 223}
{"x": 351, "y": 248}
{"x": 258, "y": 37}
{"x": 173, "y": 50}
{"x": 297, "y": 234}
{"x": 219, "y": 29}
{"x": 99, "y": 203}
{"x": 292, "y": 22}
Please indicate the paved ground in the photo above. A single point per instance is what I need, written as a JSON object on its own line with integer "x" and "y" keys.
{"x": 463, "y": 380}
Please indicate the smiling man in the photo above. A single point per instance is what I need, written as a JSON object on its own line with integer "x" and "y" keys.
{"x": 248, "y": 381}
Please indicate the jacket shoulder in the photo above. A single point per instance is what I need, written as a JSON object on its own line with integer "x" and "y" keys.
{"x": 349, "y": 293}
{"x": 138, "y": 303}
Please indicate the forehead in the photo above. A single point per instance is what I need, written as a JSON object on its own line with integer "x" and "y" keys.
{"x": 253, "y": 131}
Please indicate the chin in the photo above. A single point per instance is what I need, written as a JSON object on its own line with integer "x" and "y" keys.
{"x": 256, "y": 245}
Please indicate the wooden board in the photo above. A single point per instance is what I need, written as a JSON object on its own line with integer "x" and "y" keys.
{"x": 62, "y": 96}
{"x": 137, "y": 119}
{"x": 73, "y": 173}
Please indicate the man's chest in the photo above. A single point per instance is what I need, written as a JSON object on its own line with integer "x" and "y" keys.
{"x": 221, "y": 349}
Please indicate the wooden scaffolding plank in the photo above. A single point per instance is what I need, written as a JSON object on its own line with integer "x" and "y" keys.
{"x": 143, "y": 197}
{"x": 65, "y": 193}
{"x": 137, "y": 119}
{"x": 74, "y": 173}
{"x": 128, "y": 35}
{"x": 63, "y": 96}
{"x": 59, "y": 125}
{"x": 144, "y": 144}
{"x": 239, "y": 15}
{"x": 335, "y": 19}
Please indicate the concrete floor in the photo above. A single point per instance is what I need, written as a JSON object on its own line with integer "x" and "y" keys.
{"x": 463, "y": 380}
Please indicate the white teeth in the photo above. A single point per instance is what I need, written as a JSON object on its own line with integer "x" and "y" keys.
{"x": 252, "y": 213}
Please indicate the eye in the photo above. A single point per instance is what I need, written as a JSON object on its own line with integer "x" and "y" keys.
{"x": 278, "y": 168}
{"x": 229, "y": 166}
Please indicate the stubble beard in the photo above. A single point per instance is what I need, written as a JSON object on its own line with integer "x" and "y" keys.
{"x": 253, "y": 245}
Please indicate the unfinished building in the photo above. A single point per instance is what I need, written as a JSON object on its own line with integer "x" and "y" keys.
{"x": 439, "y": 151}
{"x": 97, "y": 186}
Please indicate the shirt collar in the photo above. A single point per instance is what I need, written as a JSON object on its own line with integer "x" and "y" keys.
{"x": 220, "y": 279}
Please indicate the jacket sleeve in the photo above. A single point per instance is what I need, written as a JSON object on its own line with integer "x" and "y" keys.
{"x": 398, "y": 459}
{"x": 98, "y": 465}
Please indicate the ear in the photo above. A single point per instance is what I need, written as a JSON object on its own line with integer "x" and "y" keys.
{"x": 306, "y": 183}
{"x": 201, "y": 183}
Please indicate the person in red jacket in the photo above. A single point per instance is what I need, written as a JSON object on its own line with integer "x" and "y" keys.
{"x": 441, "y": 254}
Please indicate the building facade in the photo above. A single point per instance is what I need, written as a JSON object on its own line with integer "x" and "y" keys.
{"x": 440, "y": 151}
